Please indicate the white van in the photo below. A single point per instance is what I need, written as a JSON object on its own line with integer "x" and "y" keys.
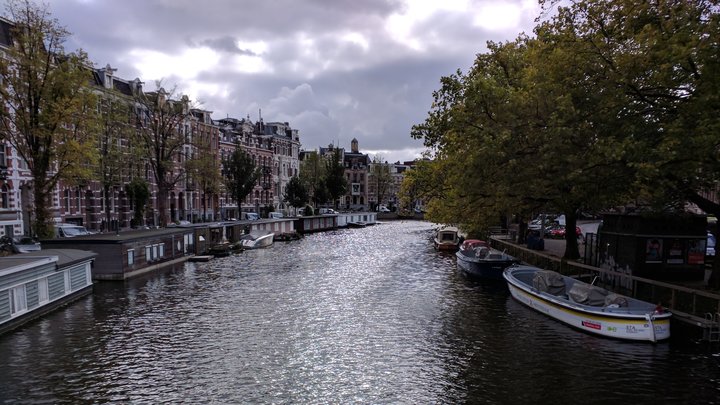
{"x": 70, "y": 230}
{"x": 275, "y": 215}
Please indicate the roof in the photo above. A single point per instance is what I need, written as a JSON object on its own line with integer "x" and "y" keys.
{"x": 61, "y": 257}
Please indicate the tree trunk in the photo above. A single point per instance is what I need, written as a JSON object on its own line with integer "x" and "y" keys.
{"x": 162, "y": 197}
{"x": 106, "y": 197}
{"x": 571, "y": 241}
{"x": 42, "y": 226}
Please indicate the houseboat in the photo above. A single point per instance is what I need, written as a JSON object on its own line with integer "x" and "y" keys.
{"x": 33, "y": 284}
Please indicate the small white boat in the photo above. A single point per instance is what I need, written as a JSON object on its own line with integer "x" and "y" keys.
{"x": 257, "y": 238}
{"x": 447, "y": 239}
{"x": 587, "y": 307}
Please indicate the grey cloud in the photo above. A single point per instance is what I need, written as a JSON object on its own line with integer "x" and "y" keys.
{"x": 226, "y": 44}
{"x": 333, "y": 90}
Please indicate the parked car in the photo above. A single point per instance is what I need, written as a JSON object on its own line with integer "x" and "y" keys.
{"x": 275, "y": 215}
{"x": 322, "y": 211}
{"x": 383, "y": 208}
{"x": 251, "y": 216}
{"x": 25, "y": 244}
{"x": 559, "y": 232}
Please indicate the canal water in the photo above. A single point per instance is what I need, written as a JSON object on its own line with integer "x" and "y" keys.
{"x": 370, "y": 315}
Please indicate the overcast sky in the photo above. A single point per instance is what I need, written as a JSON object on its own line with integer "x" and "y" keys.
{"x": 334, "y": 69}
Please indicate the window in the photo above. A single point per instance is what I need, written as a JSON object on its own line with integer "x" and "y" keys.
{"x": 162, "y": 250}
{"x": 5, "y": 196}
{"x": 3, "y": 158}
{"x": 148, "y": 253}
{"x": 131, "y": 257}
{"x": 43, "y": 296}
{"x": 18, "y": 301}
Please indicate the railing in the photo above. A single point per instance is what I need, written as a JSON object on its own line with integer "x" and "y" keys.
{"x": 693, "y": 305}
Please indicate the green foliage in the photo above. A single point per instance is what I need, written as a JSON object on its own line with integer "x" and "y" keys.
{"x": 160, "y": 120}
{"x": 203, "y": 170}
{"x": 240, "y": 174}
{"x": 48, "y": 110}
{"x": 612, "y": 101}
{"x": 296, "y": 195}
{"x": 381, "y": 177}
{"x": 308, "y": 211}
{"x": 139, "y": 193}
{"x": 312, "y": 175}
{"x": 335, "y": 180}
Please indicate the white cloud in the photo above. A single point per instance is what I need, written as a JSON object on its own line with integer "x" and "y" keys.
{"x": 155, "y": 65}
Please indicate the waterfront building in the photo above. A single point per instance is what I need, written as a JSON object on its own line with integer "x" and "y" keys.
{"x": 195, "y": 190}
{"x": 285, "y": 144}
{"x": 357, "y": 167}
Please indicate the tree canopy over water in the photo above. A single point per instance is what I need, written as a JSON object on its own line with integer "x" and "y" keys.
{"x": 609, "y": 103}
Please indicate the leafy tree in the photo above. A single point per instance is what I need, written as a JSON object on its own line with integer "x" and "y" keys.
{"x": 240, "y": 174}
{"x": 161, "y": 132}
{"x": 335, "y": 180}
{"x": 113, "y": 129}
{"x": 203, "y": 169}
{"x": 381, "y": 177}
{"x": 296, "y": 195}
{"x": 655, "y": 66}
{"x": 312, "y": 175}
{"x": 139, "y": 193}
{"x": 47, "y": 106}
{"x": 611, "y": 100}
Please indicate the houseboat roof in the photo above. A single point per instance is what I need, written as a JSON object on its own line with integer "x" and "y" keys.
{"x": 61, "y": 257}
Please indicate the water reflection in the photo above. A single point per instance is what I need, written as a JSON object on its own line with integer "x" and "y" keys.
{"x": 370, "y": 315}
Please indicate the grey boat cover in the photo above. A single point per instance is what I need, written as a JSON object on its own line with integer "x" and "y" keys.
{"x": 613, "y": 299}
{"x": 549, "y": 281}
{"x": 588, "y": 294}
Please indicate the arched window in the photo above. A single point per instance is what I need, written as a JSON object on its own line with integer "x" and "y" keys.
{"x": 5, "y": 196}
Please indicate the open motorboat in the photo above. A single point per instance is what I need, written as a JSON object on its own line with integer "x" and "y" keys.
{"x": 257, "y": 238}
{"x": 478, "y": 259}
{"x": 447, "y": 238}
{"x": 587, "y": 307}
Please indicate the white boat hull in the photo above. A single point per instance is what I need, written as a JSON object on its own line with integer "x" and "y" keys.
{"x": 258, "y": 241}
{"x": 638, "y": 327}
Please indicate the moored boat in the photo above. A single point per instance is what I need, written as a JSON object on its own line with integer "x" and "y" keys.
{"x": 447, "y": 238}
{"x": 477, "y": 259}
{"x": 258, "y": 238}
{"x": 587, "y": 307}
{"x": 357, "y": 224}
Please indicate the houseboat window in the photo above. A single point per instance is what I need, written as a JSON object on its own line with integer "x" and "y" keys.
{"x": 131, "y": 256}
{"x": 43, "y": 295}
{"x": 162, "y": 250}
{"x": 18, "y": 300}
{"x": 155, "y": 251}
{"x": 148, "y": 253}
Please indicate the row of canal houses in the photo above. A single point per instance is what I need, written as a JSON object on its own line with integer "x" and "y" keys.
{"x": 32, "y": 284}
{"x": 274, "y": 147}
